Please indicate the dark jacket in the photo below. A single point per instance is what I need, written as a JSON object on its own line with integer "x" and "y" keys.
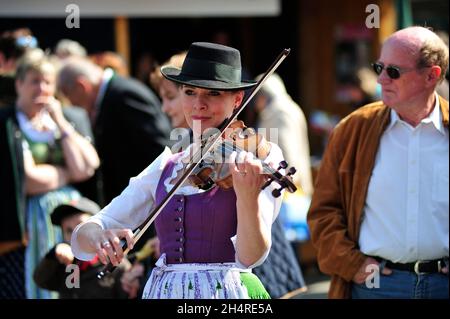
{"x": 12, "y": 188}
{"x": 7, "y": 89}
{"x": 52, "y": 275}
{"x": 130, "y": 132}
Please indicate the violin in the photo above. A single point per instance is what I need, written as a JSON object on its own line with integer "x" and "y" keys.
{"x": 213, "y": 169}
{"x": 222, "y": 144}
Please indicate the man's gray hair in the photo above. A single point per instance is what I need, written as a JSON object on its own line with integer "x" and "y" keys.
{"x": 67, "y": 48}
{"x": 434, "y": 51}
{"x": 429, "y": 48}
{"x": 76, "y": 67}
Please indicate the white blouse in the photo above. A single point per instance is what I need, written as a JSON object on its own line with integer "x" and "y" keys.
{"x": 133, "y": 205}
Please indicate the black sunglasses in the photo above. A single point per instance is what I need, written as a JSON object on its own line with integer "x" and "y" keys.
{"x": 394, "y": 72}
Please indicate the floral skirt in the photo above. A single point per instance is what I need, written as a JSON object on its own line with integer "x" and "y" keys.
{"x": 202, "y": 281}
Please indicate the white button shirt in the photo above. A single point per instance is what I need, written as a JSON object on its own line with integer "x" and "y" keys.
{"x": 407, "y": 204}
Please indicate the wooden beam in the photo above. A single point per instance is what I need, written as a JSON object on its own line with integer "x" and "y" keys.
{"x": 122, "y": 37}
{"x": 388, "y": 20}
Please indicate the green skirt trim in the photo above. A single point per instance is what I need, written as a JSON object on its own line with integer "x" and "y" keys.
{"x": 254, "y": 286}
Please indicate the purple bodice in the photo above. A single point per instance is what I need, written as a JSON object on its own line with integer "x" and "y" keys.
{"x": 196, "y": 228}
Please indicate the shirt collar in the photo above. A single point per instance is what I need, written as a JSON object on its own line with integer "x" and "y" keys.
{"x": 434, "y": 117}
{"x": 106, "y": 77}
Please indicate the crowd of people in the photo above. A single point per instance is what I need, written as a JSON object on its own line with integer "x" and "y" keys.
{"x": 88, "y": 152}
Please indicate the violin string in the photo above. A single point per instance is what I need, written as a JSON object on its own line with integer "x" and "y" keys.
{"x": 228, "y": 147}
{"x": 231, "y": 148}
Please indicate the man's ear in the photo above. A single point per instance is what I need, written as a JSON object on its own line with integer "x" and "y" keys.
{"x": 433, "y": 75}
{"x": 81, "y": 83}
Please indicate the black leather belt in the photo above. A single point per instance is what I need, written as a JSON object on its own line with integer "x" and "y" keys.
{"x": 419, "y": 267}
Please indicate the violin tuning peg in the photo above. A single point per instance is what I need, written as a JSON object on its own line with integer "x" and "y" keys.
{"x": 277, "y": 192}
{"x": 291, "y": 171}
{"x": 207, "y": 185}
{"x": 267, "y": 183}
{"x": 283, "y": 164}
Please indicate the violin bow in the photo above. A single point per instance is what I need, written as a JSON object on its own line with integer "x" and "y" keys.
{"x": 196, "y": 159}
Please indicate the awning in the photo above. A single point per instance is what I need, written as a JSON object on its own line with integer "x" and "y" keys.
{"x": 140, "y": 8}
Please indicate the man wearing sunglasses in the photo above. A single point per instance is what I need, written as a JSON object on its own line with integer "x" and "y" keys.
{"x": 379, "y": 216}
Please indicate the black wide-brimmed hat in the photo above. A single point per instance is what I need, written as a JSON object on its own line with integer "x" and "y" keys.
{"x": 209, "y": 66}
{"x": 78, "y": 206}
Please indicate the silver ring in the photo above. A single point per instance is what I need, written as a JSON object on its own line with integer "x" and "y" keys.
{"x": 106, "y": 244}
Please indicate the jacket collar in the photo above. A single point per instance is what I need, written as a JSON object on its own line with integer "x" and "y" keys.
{"x": 444, "y": 110}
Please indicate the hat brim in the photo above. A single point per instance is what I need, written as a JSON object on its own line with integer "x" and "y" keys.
{"x": 174, "y": 74}
{"x": 62, "y": 212}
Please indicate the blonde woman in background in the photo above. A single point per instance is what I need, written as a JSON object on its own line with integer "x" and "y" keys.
{"x": 42, "y": 154}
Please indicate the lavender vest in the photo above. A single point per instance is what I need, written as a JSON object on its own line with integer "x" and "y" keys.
{"x": 196, "y": 228}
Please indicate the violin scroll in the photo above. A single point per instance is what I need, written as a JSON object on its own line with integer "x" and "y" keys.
{"x": 285, "y": 181}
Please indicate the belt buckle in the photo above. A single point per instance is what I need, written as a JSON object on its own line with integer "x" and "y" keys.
{"x": 416, "y": 268}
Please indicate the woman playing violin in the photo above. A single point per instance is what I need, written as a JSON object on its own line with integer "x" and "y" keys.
{"x": 210, "y": 239}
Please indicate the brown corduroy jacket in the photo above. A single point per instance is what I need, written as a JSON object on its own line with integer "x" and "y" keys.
{"x": 334, "y": 217}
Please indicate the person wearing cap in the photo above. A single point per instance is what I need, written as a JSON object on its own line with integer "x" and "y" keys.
{"x": 379, "y": 212}
{"x": 52, "y": 272}
{"x": 209, "y": 239}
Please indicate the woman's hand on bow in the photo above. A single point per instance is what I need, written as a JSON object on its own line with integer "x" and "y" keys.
{"x": 106, "y": 243}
